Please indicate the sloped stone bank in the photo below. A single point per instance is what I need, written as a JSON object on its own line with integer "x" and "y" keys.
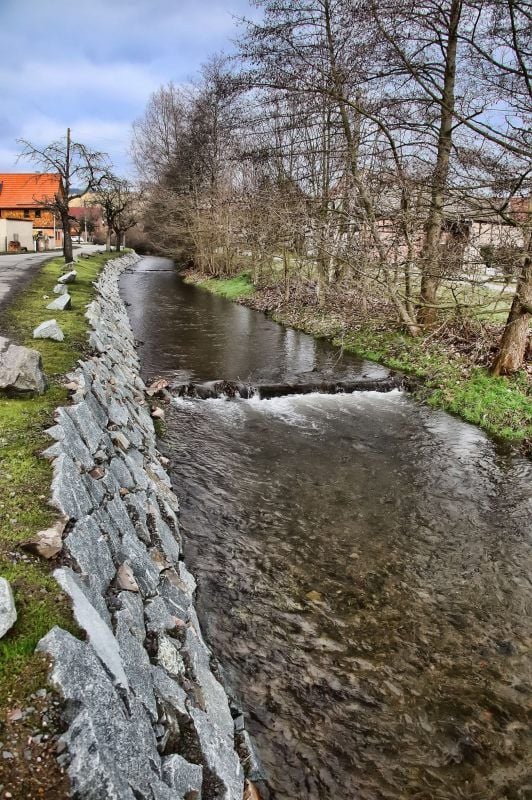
{"x": 146, "y": 716}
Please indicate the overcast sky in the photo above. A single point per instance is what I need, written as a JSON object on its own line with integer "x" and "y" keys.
{"x": 93, "y": 65}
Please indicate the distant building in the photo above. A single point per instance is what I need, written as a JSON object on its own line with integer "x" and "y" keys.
{"x": 16, "y": 236}
{"x": 87, "y": 221}
{"x": 23, "y": 196}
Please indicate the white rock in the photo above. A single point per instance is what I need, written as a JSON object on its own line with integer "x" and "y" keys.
{"x": 60, "y": 288}
{"x": 157, "y": 413}
{"x": 68, "y": 277}
{"x": 8, "y": 612}
{"x": 60, "y": 303}
{"x": 49, "y": 330}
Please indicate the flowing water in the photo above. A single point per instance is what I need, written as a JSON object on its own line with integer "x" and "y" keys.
{"x": 364, "y": 563}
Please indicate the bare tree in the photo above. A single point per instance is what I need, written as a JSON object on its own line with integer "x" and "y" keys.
{"x": 120, "y": 204}
{"x": 81, "y": 171}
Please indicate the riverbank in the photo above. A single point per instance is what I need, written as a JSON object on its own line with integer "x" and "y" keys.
{"x": 142, "y": 710}
{"x": 25, "y": 480}
{"x": 450, "y": 365}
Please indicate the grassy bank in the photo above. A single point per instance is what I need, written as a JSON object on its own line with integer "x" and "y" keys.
{"x": 25, "y": 476}
{"x": 448, "y": 380}
{"x": 237, "y": 288}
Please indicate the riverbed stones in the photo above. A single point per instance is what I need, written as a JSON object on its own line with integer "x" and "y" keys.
{"x": 8, "y": 612}
{"x": 49, "y": 329}
{"x": 20, "y": 368}
{"x": 146, "y": 717}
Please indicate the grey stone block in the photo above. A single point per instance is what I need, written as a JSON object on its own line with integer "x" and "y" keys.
{"x": 182, "y": 776}
{"x": 90, "y": 551}
{"x": 49, "y": 329}
{"x": 86, "y": 424}
{"x": 68, "y": 277}
{"x": 88, "y": 617}
{"x": 69, "y": 494}
{"x": 137, "y": 667}
{"x": 21, "y": 369}
{"x": 60, "y": 303}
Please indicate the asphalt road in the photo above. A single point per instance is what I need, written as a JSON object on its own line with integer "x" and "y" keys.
{"x": 17, "y": 270}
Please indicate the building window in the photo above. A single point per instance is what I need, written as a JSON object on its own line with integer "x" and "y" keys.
{"x": 37, "y": 213}
{"x": 26, "y": 213}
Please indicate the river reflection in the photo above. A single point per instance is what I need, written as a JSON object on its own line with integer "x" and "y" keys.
{"x": 364, "y": 571}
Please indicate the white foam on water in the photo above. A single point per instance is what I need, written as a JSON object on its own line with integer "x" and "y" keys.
{"x": 294, "y": 409}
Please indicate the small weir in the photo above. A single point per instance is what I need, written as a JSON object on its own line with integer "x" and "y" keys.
{"x": 266, "y": 391}
{"x": 363, "y": 562}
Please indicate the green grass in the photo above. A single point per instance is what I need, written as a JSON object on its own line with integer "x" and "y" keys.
{"x": 25, "y": 476}
{"x": 501, "y": 406}
{"x": 231, "y": 288}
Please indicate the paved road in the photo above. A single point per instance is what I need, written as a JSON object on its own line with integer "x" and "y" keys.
{"x": 16, "y": 270}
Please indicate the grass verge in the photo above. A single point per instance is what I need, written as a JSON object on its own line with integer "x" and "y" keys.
{"x": 25, "y": 477}
{"x": 500, "y": 406}
{"x": 236, "y": 288}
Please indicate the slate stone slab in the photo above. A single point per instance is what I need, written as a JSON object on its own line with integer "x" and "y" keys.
{"x": 100, "y": 636}
{"x": 69, "y": 494}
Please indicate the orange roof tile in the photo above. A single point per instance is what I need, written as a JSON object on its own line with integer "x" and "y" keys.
{"x": 26, "y": 189}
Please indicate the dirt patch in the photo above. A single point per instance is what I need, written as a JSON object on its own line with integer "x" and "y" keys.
{"x": 29, "y": 749}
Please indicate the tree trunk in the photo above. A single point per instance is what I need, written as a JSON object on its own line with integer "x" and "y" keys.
{"x": 67, "y": 239}
{"x": 118, "y": 236}
{"x": 108, "y": 240}
{"x": 286, "y": 276}
{"x": 515, "y": 338}
{"x": 430, "y": 256}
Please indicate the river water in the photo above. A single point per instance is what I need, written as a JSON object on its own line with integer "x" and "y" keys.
{"x": 363, "y": 563}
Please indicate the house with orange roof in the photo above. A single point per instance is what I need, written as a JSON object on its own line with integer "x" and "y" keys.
{"x": 26, "y": 196}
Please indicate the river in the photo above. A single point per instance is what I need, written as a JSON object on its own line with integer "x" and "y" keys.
{"x": 363, "y": 562}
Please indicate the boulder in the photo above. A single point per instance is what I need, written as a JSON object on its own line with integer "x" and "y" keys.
{"x": 60, "y": 303}
{"x": 49, "y": 330}
{"x": 68, "y": 277}
{"x": 8, "y": 612}
{"x": 20, "y": 368}
{"x": 60, "y": 288}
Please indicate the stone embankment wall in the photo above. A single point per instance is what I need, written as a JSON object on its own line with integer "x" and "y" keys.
{"x": 146, "y": 716}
